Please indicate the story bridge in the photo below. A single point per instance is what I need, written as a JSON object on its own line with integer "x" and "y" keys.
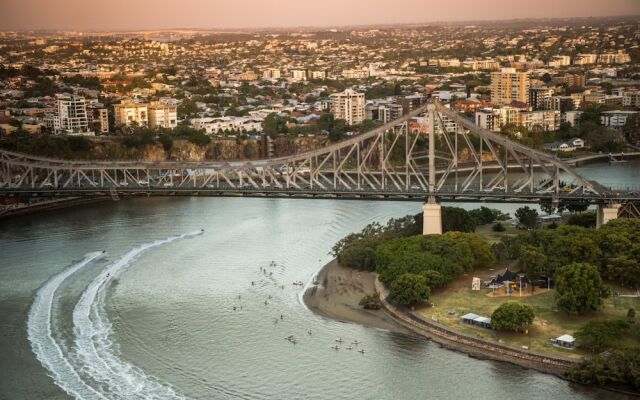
{"x": 452, "y": 159}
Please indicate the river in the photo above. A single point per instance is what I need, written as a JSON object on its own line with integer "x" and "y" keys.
{"x": 154, "y": 317}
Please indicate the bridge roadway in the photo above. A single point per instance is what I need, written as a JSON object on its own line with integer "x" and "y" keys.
{"x": 445, "y": 194}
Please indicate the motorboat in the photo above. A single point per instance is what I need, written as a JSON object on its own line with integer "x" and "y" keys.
{"x": 335, "y": 347}
{"x": 297, "y": 283}
{"x": 361, "y": 351}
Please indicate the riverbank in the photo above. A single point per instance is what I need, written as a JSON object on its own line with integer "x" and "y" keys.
{"x": 47, "y": 205}
{"x": 338, "y": 292}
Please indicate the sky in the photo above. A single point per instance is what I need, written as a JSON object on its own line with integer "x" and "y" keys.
{"x": 99, "y": 15}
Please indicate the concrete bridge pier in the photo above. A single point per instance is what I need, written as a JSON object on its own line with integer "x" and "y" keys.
{"x": 431, "y": 217}
{"x": 606, "y": 212}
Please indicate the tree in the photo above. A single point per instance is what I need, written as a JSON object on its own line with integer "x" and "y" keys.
{"x": 527, "y": 217}
{"x": 167, "y": 141}
{"x": 600, "y": 138}
{"x": 274, "y": 125}
{"x": 485, "y": 215}
{"x": 187, "y": 108}
{"x": 512, "y": 316}
{"x": 619, "y": 368}
{"x": 409, "y": 289}
{"x": 326, "y": 121}
{"x": 337, "y": 132}
{"x": 577, "y": 207}
{"x": 547, "y": 207}
{"x": 586, "y": 220}
{"x": 631, "y": 129}
{"x": 498, "y": 227}
{"x": 579, "y": 288}
{"x": 597, "y": 336}
{"x": 457, "y": 219}
{"x": 533, "y": 262}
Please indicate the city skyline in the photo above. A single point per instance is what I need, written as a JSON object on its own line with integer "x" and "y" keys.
{"x": 251, "y": 14}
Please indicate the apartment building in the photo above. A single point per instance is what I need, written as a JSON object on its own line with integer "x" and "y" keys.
{"x": 221, "y": 124}
{"x": 355, "y": 74}
{"x": 298, "y": 74}
{"x": 560, "y": 103}
{"x": 615, "y": 119}
{"x": 537, "y": 97}
{"x": 549, "y": 120}
{"x": 508, "y": 86}
{"x": 631, "y": 98}
{"x": 98, "y": 118}
{"x": 410, "y": 103}
{"x": 162, "y": 115}
{"x": 494, "y": 119}
{"x": 569, "y": 80}
{"x": 348, "y": 105}
{"x": 317, "y": 74}
{"x": 585, "y": 59}
{"x": 559, "y": 61}
{"x": 614, "y": 58}
{"x": 128, "y": 113}
{"x": 481, "y": 64}
{"x": 271, "y": 73}
{"x": 70, "y": 115}
{"x": 382, "y": 111}
{"x": 571, "y": 117}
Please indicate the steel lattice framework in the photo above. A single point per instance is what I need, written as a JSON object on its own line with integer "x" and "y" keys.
{"x": 453, "y": 158}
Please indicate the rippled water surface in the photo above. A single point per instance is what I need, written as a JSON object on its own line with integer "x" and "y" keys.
{"x": 154, "y": 317}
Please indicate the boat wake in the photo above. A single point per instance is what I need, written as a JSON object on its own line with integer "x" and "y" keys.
{"x": 95, "y": 370}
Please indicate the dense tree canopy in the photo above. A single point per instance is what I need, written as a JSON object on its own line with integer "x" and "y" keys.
{"x": 534, "y": 263}
{"x": 597, "y": 336}
{"x": 620, "y": 368}
{"x": 528, "y": 217}
{"x": 409, "y": 289}
{"x": 457, "y": 219}
{"x": 579, "y": 288}
{"x": 439, "y": 258}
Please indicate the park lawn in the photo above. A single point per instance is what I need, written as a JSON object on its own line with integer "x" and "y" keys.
{"x": 487, "y": 233}
{"x": 548, "y": 324}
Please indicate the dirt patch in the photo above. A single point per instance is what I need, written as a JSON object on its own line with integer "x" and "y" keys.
{"x": 338, "y": 292}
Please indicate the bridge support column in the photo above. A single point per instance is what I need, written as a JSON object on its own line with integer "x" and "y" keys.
{"x": 606, "y": 212}
{"x": 431, "y": 217}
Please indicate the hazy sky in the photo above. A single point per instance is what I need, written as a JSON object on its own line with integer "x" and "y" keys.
{"x": 152, "y": 14}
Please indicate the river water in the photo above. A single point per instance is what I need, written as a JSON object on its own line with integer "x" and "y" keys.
{"x": 154, "y": 318}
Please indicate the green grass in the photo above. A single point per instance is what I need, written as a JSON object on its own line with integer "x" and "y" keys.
{"x": 488, "y": 234}
{"x": 548, "y": 324}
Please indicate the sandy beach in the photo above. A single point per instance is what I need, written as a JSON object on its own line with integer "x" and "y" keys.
{"x": 338, "y": 293}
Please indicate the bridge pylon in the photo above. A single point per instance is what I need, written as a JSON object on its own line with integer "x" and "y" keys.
{"x": 431, "y": 217}
{"x": 606, "y": 213}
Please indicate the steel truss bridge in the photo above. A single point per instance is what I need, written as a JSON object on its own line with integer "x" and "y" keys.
{"x": 455, "y": 161}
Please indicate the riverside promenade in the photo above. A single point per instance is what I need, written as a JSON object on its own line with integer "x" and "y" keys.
{"x": 475, "y": 347}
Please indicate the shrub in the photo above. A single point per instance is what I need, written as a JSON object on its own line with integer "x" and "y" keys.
{"x": 371, "y": 301}
{"x": 498, "y": 227}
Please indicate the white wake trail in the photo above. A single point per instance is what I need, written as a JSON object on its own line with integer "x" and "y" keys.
{"x": 45, "y": 347}
{"x": 93, "y": 344}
